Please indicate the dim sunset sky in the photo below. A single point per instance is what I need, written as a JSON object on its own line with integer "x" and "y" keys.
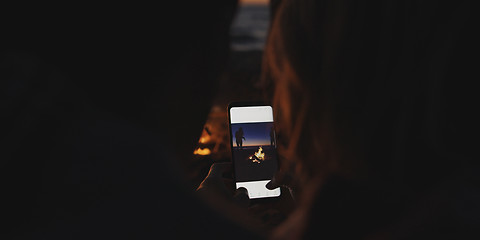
{"x": 256, "y": 134}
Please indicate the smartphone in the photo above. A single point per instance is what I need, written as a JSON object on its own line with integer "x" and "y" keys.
{"x": 254, "y": 149}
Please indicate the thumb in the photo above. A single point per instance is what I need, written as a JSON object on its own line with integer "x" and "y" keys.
{"x": 272, "y": 184}
{"x": 241, "y": 197}
{"x": 281, "y": 179}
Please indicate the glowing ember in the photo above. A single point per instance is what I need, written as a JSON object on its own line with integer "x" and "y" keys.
{"x": 258, "y": 156}
{"x": 202, "y": 151}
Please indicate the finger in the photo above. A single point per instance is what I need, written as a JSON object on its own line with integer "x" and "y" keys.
{"x": 281, "y": 179}
{"x": 272, "y": 184}
{"x": 241, "y": 197}
{"x": 278, "y": 180}
{"x": 284, "y": 179}
{"x": 218, "y": 169}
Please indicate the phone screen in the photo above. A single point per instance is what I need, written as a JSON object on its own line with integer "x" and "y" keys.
{"x": 254, "y": 149}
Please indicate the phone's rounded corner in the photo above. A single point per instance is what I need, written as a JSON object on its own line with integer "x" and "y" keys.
{"x": 279, "y": 193}
{"x": 230, "y": 105}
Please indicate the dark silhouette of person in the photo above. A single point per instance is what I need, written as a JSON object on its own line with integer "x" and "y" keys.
{"x": 272, "y": 137}
{"x": 239, "y": 136}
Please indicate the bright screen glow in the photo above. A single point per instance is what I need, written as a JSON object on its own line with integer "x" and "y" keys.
{"x": 254, "y": 149}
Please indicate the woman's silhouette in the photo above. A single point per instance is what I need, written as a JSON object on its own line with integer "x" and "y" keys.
{"x": 238, "y": 137}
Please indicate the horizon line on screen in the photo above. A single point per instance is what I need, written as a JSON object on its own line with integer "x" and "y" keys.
{"x": 254, "y": 145}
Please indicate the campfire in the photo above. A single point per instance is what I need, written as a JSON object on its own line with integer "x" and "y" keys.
{"x": 258, "y": 156}
{"x": 202, "y": 151}
{"x": 204, "y": 143}
{"x": 214, "y": 140}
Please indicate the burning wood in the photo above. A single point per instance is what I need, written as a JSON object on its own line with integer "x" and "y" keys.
{"x": 258, "y": 156}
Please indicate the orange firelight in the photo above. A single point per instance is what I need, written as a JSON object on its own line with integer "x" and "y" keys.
{"x": 258, "y": 156}
{"x": 202, "y": 151}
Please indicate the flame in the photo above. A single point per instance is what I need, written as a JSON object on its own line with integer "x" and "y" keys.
{"x": 204, "y": 139}
{"x": 258, "y": 156}
{"x": 202, "y": 151}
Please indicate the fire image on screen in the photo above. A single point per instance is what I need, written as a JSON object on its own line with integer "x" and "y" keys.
{"x": 254, "y": 151}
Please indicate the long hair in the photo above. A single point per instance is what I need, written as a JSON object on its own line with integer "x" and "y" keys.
{"x": 363, "y": 90}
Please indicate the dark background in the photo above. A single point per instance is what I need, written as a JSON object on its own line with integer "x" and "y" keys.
{"x": 101, "y": 103}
